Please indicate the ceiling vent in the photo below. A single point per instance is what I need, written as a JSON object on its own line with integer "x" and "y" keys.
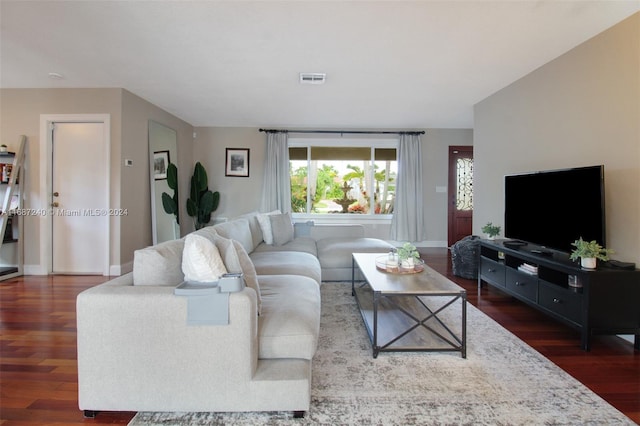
{"x": 313, "y": 77}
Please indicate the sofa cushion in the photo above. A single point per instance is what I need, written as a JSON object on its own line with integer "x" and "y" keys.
{"x": 302, "y": 229}
{"x": 303, "y": 244}
{"x": 208, "y": 232}
{"x": 282, "y": 228}
{"x": 201, "y": 261}
{"x": 287, "y": 263}
{"x": 265, "y": 225}
{"x": 159, "y": 265}
{"x": 256, "y": 232}
{"x": 237, "y": 229}
{"x": 337, "y": 252}
{"x": 290, "y": 320}
{"x": 249, "y": 272}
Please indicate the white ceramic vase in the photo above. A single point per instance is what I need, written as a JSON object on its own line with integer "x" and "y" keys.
{"x": 408, "y": 263}
{"x": 588, "y": 262}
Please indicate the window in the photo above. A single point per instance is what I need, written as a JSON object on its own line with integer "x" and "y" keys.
{"x": 343, "y": 177}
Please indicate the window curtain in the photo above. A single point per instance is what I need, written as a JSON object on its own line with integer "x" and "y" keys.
{"x": 276, "y": 185}
{"x": 407, "y": 223}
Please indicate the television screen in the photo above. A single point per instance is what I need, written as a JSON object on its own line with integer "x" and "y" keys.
{"x": 556, "y": 207}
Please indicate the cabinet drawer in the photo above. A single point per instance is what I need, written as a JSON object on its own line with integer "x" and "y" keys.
{"x": 563, "y": 302}
{"x": 492, "y": 271}
{"x": 522, "y": 284}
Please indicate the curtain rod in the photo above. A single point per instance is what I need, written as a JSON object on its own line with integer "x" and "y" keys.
{"x": 347, "y": 132}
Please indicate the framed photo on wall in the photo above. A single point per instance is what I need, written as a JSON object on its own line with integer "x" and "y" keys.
{"x": 237, "y": 162}
{"x": 160, "y": 164}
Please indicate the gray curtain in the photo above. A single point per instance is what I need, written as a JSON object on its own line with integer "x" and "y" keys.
{"x": 408, "y": 215}
{"x": 276, "y": 185}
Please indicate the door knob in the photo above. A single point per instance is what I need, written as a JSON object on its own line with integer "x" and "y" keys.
{"x": 56, "y": 194}
{"x": 55, "y": 204}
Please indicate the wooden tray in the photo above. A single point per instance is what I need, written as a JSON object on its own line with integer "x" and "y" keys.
{"x": 381, "y": 264}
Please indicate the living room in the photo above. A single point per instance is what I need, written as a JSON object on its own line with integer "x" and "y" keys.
{"x": 578, "y": 108}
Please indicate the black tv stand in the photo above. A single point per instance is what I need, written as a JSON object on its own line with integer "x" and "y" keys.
{"x": 542, "y": 252}
{"x": 601, "y": 301}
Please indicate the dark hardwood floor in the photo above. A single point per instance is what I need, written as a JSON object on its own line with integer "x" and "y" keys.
{"x": 38, "y": 377}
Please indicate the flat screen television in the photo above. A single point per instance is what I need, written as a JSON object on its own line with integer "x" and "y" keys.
{"x": 553, "y": 208}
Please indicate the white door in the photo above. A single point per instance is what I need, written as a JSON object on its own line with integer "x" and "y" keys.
{"x": 79, "y": 197}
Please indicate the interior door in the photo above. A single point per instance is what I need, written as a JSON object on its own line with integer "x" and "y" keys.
{"x": 460, "y": 221}
{"x": 79, "y": 197}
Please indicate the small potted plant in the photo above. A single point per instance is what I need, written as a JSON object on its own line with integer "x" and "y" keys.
{"x": 3, "y": 148}
{"x": 407, "y": 255}
{"x": 589, "y": 252}
{"x": 491, "y": 230}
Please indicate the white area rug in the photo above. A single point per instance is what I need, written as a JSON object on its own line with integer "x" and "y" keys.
{"x": 503, "y": 381}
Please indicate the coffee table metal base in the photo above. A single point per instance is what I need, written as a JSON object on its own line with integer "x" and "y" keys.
{"x": 399, "y": 322}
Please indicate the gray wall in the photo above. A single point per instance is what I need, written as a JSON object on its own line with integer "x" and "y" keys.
{"x": 136, "y": 195}
{"x": 581, "y": 109}
{"x": 20, "y": 114}
{"x": 241, "y": 195}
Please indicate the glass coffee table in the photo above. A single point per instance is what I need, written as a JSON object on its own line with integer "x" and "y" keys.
{"x": 409, "y": 311}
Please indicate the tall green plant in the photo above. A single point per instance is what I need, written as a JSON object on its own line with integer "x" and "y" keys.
{"x": 169, "y": 203}
{"x": 201, "y": 202}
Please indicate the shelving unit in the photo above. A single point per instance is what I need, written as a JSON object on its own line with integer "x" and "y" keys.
{"x": 11, "y": 225}
{"x": 601, "y": 301}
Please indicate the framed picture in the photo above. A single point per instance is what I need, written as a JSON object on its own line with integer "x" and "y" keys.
{"x": 160, "y": 164}
{"x": 237, "y": 162}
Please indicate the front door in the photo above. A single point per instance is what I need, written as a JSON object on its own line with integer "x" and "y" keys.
{"x": 80, "y": 215}
{"x": 460, "y": 221}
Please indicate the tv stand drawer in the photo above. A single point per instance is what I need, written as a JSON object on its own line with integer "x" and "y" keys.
{"x": 561, "y": 301}
{"x": 492, "y": 271}
{"x": 522, "y": 284}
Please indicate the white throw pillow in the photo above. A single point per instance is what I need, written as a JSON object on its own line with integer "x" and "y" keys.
{"x": 265, "y": 225}
{"x": 201, "y": 261}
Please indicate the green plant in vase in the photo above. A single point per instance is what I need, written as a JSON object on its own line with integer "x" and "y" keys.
{"x": 407, "y": 255}
{"x": 201, "y": 202}
{"x": 588, "y": 252}
{"x": 491, "y": 230}
{"x": 170, "y": 203}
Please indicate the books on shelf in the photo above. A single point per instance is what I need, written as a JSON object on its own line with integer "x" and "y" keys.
{"x": 5, "y": 172}
{"x": 528, "y": 269}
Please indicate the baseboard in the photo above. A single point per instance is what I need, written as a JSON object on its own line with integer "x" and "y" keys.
{"x": 426, "y": 243}
{"x": 35, "y": 270}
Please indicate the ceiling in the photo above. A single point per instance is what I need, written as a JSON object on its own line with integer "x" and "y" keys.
{"x": 389, "y": 64}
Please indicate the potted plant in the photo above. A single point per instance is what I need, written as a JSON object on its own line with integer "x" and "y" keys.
{"x": 170, "y": 203}
{"x": 491, "y": 230}
{"x": 3, "y": 148}
{"x": 589, "y": 252}
{"x": 407, "y": 254}
{"x": 201, "y": 202}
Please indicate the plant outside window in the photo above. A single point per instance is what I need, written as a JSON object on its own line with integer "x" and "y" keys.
{"x": 351, "y": 180}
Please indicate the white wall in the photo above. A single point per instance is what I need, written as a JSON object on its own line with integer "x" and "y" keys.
{"x": 581, "y": 109}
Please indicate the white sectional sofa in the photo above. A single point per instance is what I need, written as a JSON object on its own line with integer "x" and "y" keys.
{"x": 136, "y": 351}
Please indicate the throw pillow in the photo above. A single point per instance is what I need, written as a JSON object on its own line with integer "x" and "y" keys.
{"x": 237, "y": 260}
{"x": 201, "y": 261}
{"x": 265, "y": 226}
{"x": 282, "y": 228}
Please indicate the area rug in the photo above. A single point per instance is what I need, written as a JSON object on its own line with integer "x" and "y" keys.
{"x": 503, "y": 381}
